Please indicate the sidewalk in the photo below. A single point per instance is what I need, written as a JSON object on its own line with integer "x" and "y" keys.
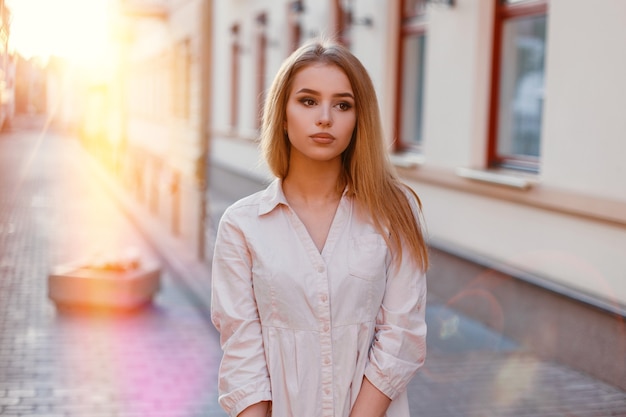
{"x": 161, "y": 361}
{"x": 57, "y": 205}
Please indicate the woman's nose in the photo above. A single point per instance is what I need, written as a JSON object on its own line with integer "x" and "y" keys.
{"x": 324, "y": 118}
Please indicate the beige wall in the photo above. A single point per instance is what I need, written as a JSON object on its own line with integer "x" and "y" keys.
{"x": 457, "y": 84}
{"x": 585, "y": 130}
{"x": 532, "y": 229}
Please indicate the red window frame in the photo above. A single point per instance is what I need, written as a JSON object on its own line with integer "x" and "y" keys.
{"x": 343, "y": 20}
{"x": 261, "y": 50}
{"x": 505, "y": 11}
{"x": 234, "y": 71}
{"x": 412, "y": 23}
{"x": 294, "y": 10}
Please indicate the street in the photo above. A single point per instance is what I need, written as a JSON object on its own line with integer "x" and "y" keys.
{"x": 55, "y": 207}
{"x": 159, "y": 362}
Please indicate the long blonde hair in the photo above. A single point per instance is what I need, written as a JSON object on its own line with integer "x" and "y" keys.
{"x": 369, "y": 176}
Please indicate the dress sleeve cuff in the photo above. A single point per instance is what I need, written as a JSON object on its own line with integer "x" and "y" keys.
{"x": 381, "y": 382}
{"x": 235, "y": 403}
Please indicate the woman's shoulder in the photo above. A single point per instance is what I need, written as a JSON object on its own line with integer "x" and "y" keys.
{"x": 246, "y": 203}
{"x": 252, "y": 203}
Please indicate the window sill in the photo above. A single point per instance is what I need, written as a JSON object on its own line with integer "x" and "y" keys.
{"x": 497, "y": 178}
{"x": 406, "y": 159}
{"x": 520, "y": 189}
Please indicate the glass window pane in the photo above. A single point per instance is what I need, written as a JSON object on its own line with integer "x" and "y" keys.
{"x": 413, "y": 8}
{"x": 522, "y": 86}
{"x": 413, "y": 89}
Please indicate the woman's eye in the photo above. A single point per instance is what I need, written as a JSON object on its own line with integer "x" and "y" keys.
{"x": 344, "y": 106}
{"x": 307, "y": 102}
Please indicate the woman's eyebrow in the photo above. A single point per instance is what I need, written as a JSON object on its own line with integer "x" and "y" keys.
{"x": 313, "y": 92}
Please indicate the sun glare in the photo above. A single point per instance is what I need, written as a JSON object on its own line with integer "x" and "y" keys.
{"x": 77, "y": 30}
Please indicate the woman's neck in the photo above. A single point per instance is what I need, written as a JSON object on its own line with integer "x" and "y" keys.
{"x": 313, "y": 185}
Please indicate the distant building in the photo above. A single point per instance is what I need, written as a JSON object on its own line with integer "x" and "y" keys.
{"x": 161, "y": 102}
{"x": 66, "y": 95}
{"x": 7, "y": 69}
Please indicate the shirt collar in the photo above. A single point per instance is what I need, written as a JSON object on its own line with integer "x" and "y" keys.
{"x": 272, "y": 196}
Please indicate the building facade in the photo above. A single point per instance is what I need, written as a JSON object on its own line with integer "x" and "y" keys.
{"x": 161, "y": 103}
{"x": 7, "y": 69}
{"x": 505, "y": 116}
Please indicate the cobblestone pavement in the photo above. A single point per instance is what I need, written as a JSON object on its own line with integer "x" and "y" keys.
{"x": 55, "y": 206}
{"x": 160, "y": 361}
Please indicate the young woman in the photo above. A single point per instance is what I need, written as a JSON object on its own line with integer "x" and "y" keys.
{"x": 318, "y": 283}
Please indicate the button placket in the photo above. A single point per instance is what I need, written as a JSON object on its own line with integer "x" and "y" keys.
{"x": 325, "y": 342}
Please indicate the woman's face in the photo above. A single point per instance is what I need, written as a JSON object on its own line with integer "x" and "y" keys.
{"x": 320, "y": 113}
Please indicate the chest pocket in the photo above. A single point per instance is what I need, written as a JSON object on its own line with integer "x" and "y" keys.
{"x": 366, "y": 257}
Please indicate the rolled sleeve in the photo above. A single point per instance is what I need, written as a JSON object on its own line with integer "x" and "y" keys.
{"x": 243, "y": 374}
{"x": 399, "y": 346}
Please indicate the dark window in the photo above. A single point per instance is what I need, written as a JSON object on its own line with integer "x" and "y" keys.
{"x": 517, "y": 99}
{"x": 410, "y": 90}
{"x": 294, "y": 14}
{"x": 261, "y": 51}
{"x": 234, "y": 80}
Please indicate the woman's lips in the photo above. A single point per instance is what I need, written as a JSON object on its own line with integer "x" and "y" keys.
{"x": 323, "y": 138}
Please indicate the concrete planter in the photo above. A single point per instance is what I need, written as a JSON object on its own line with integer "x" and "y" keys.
{"x": 113, "y": 287}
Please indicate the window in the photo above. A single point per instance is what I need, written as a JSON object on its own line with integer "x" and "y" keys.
{"x": 261, "y": 51}
{"x": 234, "y": 74}
{"x": 182, "y": 79}
{"x": 410, "y": 89}
{"x": 294, "y": 14}
{"x": 517, "y": 98}
{"x": 343, "y": 17}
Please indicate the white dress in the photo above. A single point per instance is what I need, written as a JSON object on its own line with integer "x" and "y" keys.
{"x": 301, "y": 328}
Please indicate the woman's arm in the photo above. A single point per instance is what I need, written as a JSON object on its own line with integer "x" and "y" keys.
{"x": 243, "y": 376}
{"x": 256, "y": 410}
{"x": 370, "y": 402}
{"x": 399, "y": 345}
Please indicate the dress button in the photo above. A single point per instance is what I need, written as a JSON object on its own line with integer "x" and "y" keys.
{"x": 320, "y": 269}
{"x": 326, "y": 327}
{"x": 324, "y": 298}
